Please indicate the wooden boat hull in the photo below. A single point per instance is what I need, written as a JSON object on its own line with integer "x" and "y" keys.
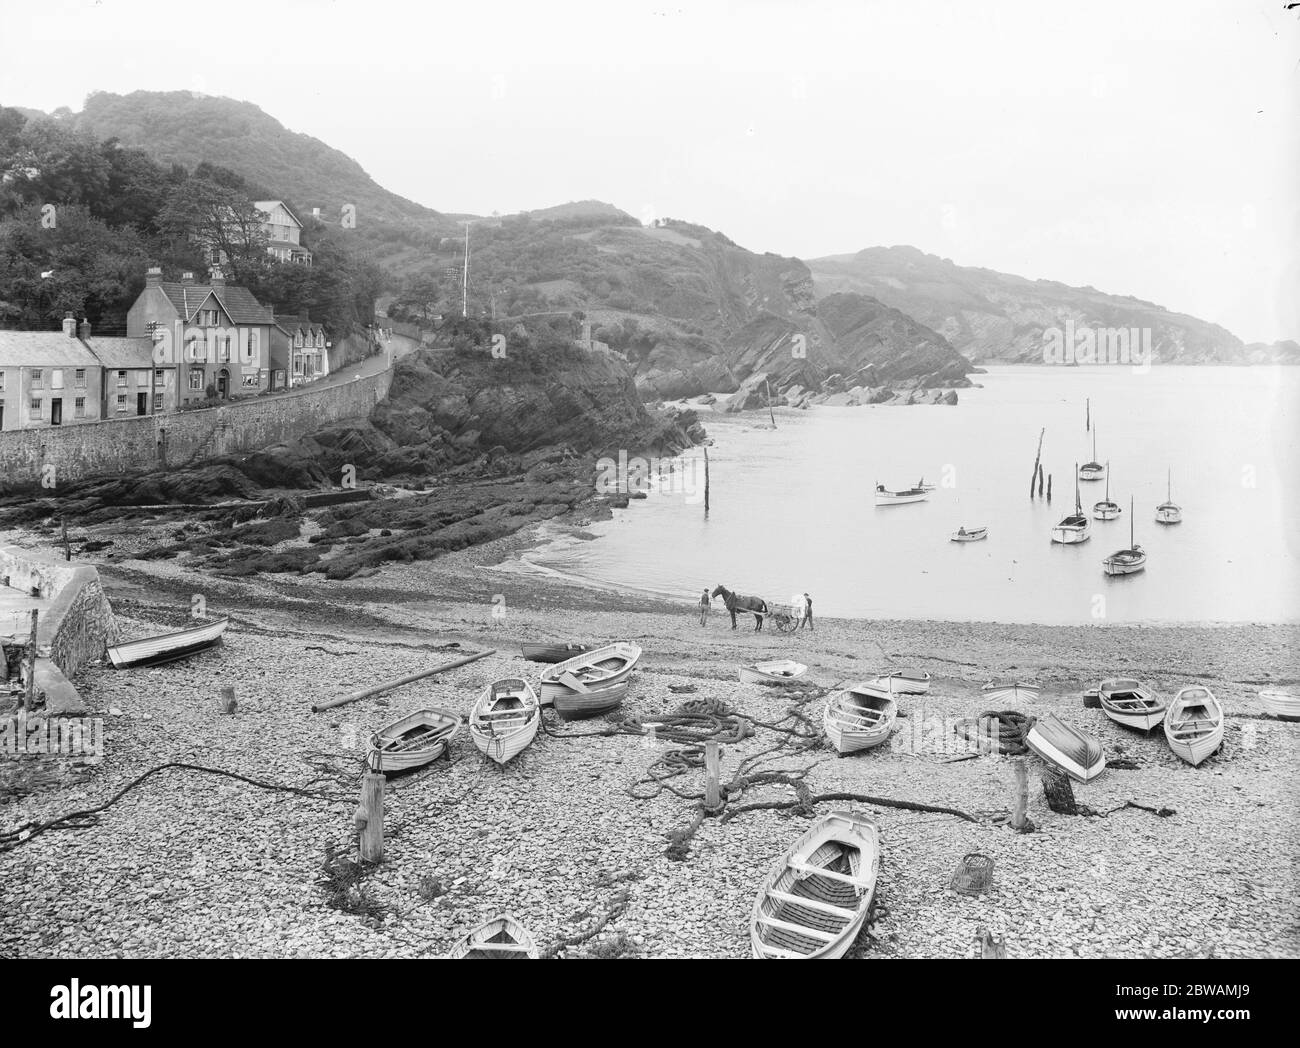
{"x": 1076, "y": 753}
{"x": 901, "y": 682}
{"x": 813, "y": 904}
{"x": 858, "y": 719}
{"x": 1131, "y": 704}
{"x": 167, "y": 647}
{"x": 433, "y": 730}
{"x": 595, "y": 669}
{"x": 1092, "y": 471}
{"x": 1003, "y": 691}
{"x": 1125, "y": 562}
{"x": 1281, "y": 704}
{"x": 1071, "y": 534}
{"x": 778, "y": 673}
{"x": 973, "y": 535}
{"x": 504, "y": 719}
{"x": 1168, "y": 513}
{"x": 900, "y": 498}
{"x": 502, "y": 938}
{"x": 578, "y": 705}
{"x": 1107, "y": 511}
{"x": 1194, "y": 724}
{"x": 553, "y": 652}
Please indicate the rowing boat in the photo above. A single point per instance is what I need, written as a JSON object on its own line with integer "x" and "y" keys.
{"x": 969, "y": 534}
{"x": 1282, "y": 705}
{"x": 1002, "y": 690}
{"x": 414, "y": 740}
{"x": 552, "y": 652}
{"x": 1075, "y": 752}
{"x": 858, "y": 719}
{"x": 579, "y": 705}
{"x": 500, "y": 939}
{"x": 813, "y": 904}
{"x": 1131, "y": 703}
{"x": 593, "y": 669}
{"x": 900, "y": 682}
{"x": 504, "y": 719}
{"x": 1194, "y": 724}
{"x": 786, "y": 671}
{"x": 898, "y": 498}
{"x": 166, "y": 647}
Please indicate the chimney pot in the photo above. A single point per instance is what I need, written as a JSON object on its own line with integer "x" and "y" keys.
{"x": 153, "y": 276}
{"x": 84, "y": 330}
{"x": 187, "y": 277}
{"x": 70, "y": 325}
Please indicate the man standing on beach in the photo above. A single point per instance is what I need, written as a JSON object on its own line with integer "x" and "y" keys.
{"x": 806, "y": 620}
{"x": 704, "y": 607}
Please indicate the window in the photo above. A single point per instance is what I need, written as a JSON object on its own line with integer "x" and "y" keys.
{"x": 38, "y": 377}
{"x": 79, "y": 407}
{"x": 121, "y": 402}
{"x": 225, "y": 349}
{"x": 159, "y": 377}
{"x": 56, "y": 378}
{"x": 2, "y": 381}
{"x": 252, "y": 343}
{"x": 196, "y": 378}
{"x": 79, "y": 378}
{"x": 121, "y": 378}
{"x": 36, "y": 407}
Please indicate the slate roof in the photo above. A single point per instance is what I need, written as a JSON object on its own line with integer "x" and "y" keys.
{"x": 43, "y": 349}
{"x": 123, "y": 353}
{"x": 238, "y": 302}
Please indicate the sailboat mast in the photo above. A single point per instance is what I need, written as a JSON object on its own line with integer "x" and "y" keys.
{"x": 1078, "y": 506}
{"x": 464, "y": 287}
{"x": 1131, "y": 543}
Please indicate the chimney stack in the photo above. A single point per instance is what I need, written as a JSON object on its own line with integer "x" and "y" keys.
{"x": 83, "y": 332}
{"x": 69, "y": 325}
{"x": 187, "y": 277}
{"x": 153, "y": 276}
{"x": 217, "y": 278}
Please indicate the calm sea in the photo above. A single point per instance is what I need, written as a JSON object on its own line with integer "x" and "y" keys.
{"x": 791, "y": 509}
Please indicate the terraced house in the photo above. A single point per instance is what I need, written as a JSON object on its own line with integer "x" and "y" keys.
{"x": 215, "y": 336}
{"x": 300, "y": 351}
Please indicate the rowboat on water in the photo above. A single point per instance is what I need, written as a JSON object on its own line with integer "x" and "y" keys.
{"x": 1126, "y": 561}
{"x": 1093, "y": 470}
{"x": 500, "y": 939}
{"x": 1076, "y": 753}
{"x": 1131, "y": 703}
{"x": 594, "y": 669}
{"x": 1074, "y": 528}
{"x": 900, "y": 682}
{"x": 553, "y": 652}
{"x": 858, "y": 719}
{"x": 783, "y": 671}
{"x": 1194, "y": 724}
{"x": 414, "y": 740}
{"x": 504, "y": 719}
{"x": 813, "y": 904}
{"x": 897, "y": 498}
{"x": 1281, "y": 704}
{"x": 969, "y": 534}
{"x": 579, "y": 705}
{"x": 1169, "y": 512}
{"x": 1106, "y": 509}
{"x": 1004, "y": 690}
{"x": 166, "y": 647}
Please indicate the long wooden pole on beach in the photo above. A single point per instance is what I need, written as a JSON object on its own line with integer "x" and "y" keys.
{"x": 706, "y": 480}
{"x": 379, "y": 689}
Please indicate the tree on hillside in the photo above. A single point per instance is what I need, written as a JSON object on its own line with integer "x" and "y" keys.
{"x": 218, "y": 218}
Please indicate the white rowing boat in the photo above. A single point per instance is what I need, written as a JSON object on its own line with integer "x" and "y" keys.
{"x": 1131, "y": 703}
{"x": 166, "y": 647}
{"x": 593, "y": 669}
{"x": 783, "y": 671}
{"x": 969, "y": 534}
{"x": 813, "y": 904}
{"x": 1009, "y": 690}
{"x": 1075, "y": 752}
{"x": 1281, "y": 704}
{"x": 900, "y": 682}
{"x": 500, "y": 939}
{"x": 858, "y": 719}
{"x": 414, "y": 740}
{"x": 1194, "y": 724}
{"x": 504, "y": 719}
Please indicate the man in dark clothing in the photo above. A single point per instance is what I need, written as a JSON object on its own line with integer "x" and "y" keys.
{"x": 704, "y": 607}
{"x": 807, "y": 612}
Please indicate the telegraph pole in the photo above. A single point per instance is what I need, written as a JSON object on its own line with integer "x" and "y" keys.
{"x": 464, "y": 287}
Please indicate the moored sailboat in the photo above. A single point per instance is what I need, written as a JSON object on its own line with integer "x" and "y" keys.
{"x": 1093, "y": 470}
{"x": 1106, "y": 509}
{"x": 1126, "y": 561}
{"x": 1169, "y": 512}
{"x": 1075, "y": 528}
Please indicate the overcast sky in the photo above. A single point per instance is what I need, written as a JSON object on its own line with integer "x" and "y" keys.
{"x": 1147, "y": 148}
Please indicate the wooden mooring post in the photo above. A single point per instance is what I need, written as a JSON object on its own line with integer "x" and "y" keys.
{"x": 991, "y": 949}
{"x": 228, "y": 703}
{"x": 712, "y": 775}
{"x": 1020, "y": 802}
{"x": 29, "y": 700}
{"x": 67, "y": 548}
{"x": 706, "y": 480}
{"x": 370, "y": 815}
{"x": 770, "y": 413}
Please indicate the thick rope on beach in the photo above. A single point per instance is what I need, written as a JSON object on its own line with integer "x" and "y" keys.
{"x": 1003, "y": 731}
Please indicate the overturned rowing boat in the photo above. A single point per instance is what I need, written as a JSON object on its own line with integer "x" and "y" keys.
{"x": 502, "y": 938}
{"x": 1075, "y": 752}
{"x": 553, "y": 652}
{"x": 1280, "y": 704}
{"x": 1002, "y": 690}
{"x": 166, "y": 647}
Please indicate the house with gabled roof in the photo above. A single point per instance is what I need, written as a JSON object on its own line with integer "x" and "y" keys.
{"x": 299, "y": 351}
{"x": 283, "y": 230}
{"x": 217, "y": 336}
{"x": 47, "y": 378}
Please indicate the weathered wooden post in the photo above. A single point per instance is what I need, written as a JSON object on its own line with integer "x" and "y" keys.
{"x": 712, "y": 775}
{"x": 67, "y": 549}
{"x": 30, "y": 700}
{"x": 228, "y": 704}
{"x": 1021, "y": 800}
{"x": 1049, "y": 489}
{"x": 370, "y": 813}
{"x": 1038, "y": 455}
{"x": 706, "y": 480}
{"x": 991, "y": 949}
{"x": 770, "y": 413}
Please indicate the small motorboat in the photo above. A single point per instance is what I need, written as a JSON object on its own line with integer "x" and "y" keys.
{"x": 504, "y": 719}
{"x": 553, "y": 652}
{"x": 1194, "y": 724}
{"x": 969, "y": 534}
{"x": 858, "y": 719}
{"x": 1169, "y": 512}
{"x": 1076, "y": 753}
{"x": 1131, "y": 703}
{"x": 502, "y": 938}
{"x": 1009, "y": 690}
{"x": 1106, "y": 509}
{"x": 1075, "y": 528}
{"x": 167, "y": 647}
{"x": 784, "y": 671}
{"x": 1280, "y": 704}
{"x": 593, "y": 669}
{"x": 1126, "y": 561}
{"x": 579, "y": 705}
{"x": 898, "y": 498}
{"x": 414, "y": 741}
{"x": 900, "y": 682}
{"x": 815, "y": 901}
{"x": 1093, "y": 470}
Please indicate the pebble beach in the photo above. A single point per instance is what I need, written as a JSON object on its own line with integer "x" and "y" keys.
{"x": 193, "y": 864}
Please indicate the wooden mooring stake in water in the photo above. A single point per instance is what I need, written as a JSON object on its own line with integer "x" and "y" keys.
{"x": 706, "y": 480}
{"x": 770, "y": 413}
{"x": 1038, "y": 457}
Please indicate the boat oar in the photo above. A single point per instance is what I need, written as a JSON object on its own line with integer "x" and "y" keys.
{"x": 572, "y": 683}
{"x": 390, "y": 685}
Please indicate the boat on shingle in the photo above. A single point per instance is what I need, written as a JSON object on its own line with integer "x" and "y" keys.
{"x": 167, "y": 647}
{"x": 500, "y": 939}
{"x": 1075, "y": 752}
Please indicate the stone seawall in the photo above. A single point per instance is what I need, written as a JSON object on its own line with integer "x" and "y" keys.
{"x": 73, "y": 452}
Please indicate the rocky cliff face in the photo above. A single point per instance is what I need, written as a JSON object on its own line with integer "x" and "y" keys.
{"x": 994, "y": 316}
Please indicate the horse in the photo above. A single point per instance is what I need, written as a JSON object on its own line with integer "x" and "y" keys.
{"x": 735, "y": 602}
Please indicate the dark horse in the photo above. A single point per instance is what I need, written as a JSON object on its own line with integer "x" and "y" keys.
{"x": 735, "y": 602}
